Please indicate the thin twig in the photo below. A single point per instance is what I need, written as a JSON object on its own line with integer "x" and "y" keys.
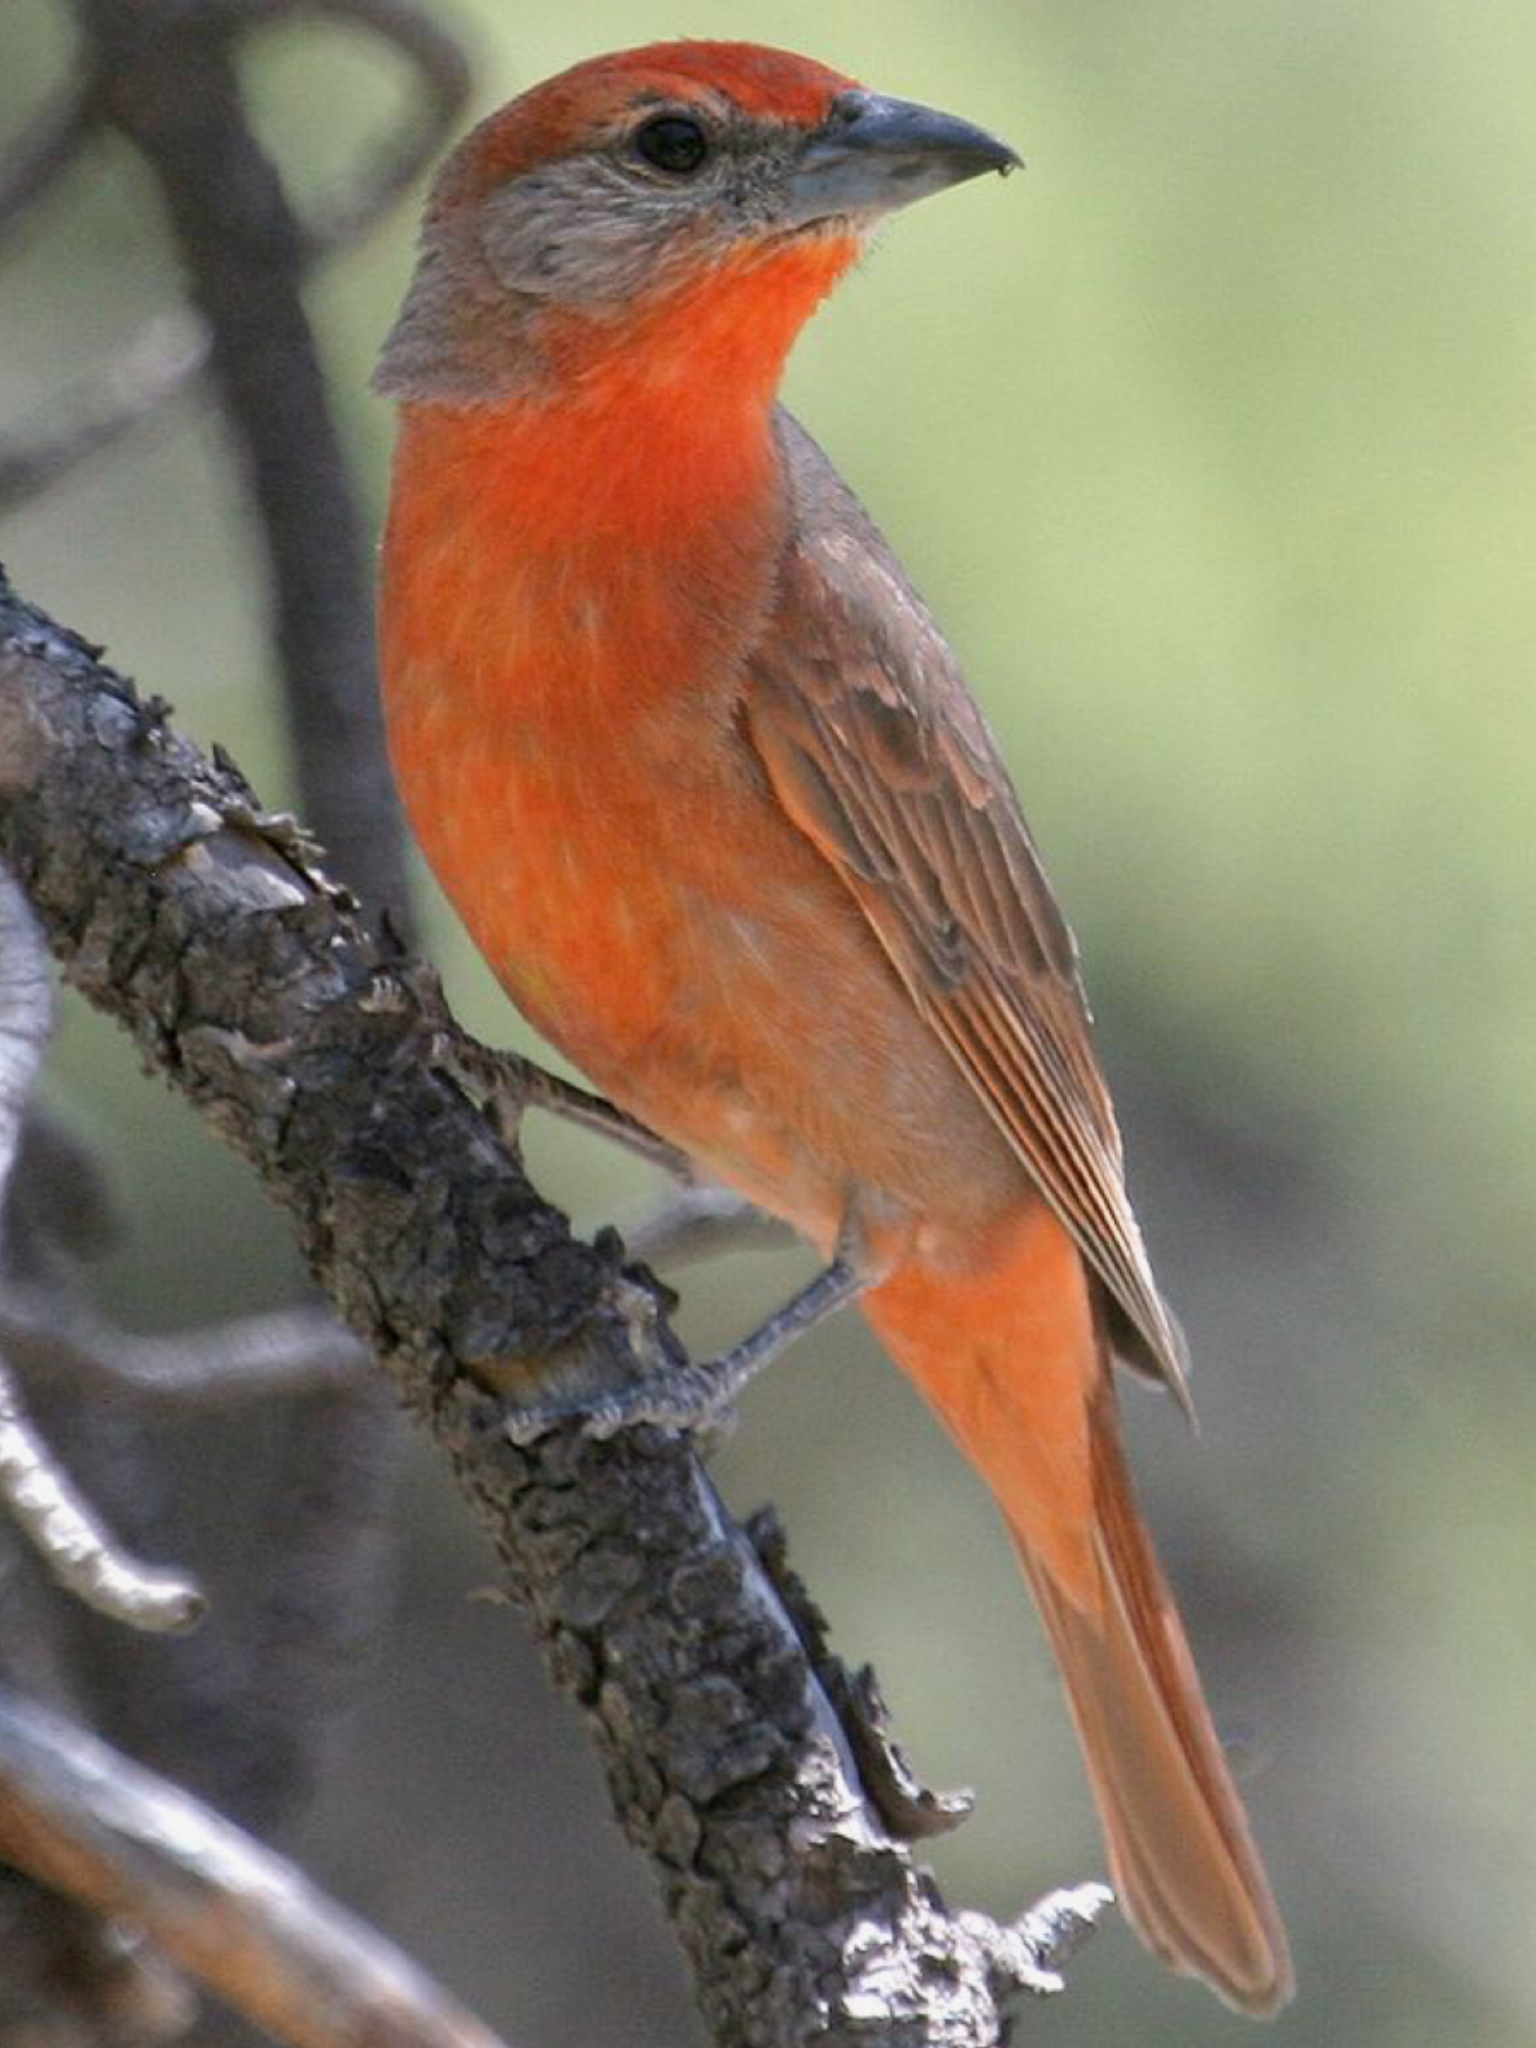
{"x": 162, "y": 361}
{"x": 52, "y": 1513}
{"x": 82, "y": 1818}
{"x": 282, "y": 1355}
{"x": 47, "y": 149}
{"x": 26, "y": 1017}
{"x": 444, "y": 81}
{"x": 71, "y": 1539}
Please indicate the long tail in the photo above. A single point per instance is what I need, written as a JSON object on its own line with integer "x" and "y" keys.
{"x": 1013, "y": 1362}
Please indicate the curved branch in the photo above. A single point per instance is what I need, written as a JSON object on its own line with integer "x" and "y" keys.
{"x": 276, "y": 1355}
{"x": 26, "y": 1018}
{"x": 71, "y": 1539}
{"x": 84, "y": 1820}
{"x": 51, "y": 1513}
{"x": 47, "y": 150}
{"x": 313, "y": 1048}
{"x": 174, "y": 93}
{"x": 163, "y": 360}
{"x": 443, "y": 77}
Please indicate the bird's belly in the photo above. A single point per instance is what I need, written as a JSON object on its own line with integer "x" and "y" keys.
{"x": 681, "y": 941}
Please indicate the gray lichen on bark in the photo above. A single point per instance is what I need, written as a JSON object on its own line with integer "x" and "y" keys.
{"x": 204, "y": 926}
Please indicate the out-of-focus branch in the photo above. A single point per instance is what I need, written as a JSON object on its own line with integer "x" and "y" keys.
{"x": 50, "y": 1512}
{"x": 704, "y": 1221}
{"x": 443, "y": 81}
{"x": 81, "y": 1818}
{"x": 74, "y": 1980}
{"x": 172, "y": 88}
{"x": 240, "y": 1707}
{"x": 71, "y": 1539}
{"x": 46, "y": 150}
{"x": 166, "y": 77}
{"x": 319, "y": 1053}
{"x": 26, "y": 1019}
{"x": 276, "y": 1356}
{"x": 164, "y": 361}
{"x": 160, "y": 363}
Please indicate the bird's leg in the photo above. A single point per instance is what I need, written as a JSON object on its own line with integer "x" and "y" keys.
{"x": 596, "y": 1113}
{"x": 697, "y": 1395}
{"x": 504, "y": 1087}
{"x": 700, "y": 1221}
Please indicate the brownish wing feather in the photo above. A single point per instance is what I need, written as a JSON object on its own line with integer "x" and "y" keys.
{"x": 877, "y": 750}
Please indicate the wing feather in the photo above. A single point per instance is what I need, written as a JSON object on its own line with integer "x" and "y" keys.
{"x": 875, "y": 747}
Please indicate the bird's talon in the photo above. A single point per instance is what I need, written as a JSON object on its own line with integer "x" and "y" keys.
{"x": 685, "y": 1400}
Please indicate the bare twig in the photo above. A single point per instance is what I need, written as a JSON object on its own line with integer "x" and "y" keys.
{"x": 47, "y": 150}
{"x": 26, "y": 1017}
{"x": 241, "y": 1703}
{"x": 1033, "y": 1951}
{"x": 165, "y": 361}
{"x": 173, "y": 91}
{"x": 83, "y": 1819}
{"x": 158, "y": 365}
{"x": 280, "y": 1355}
{"x": 315, "y": 1050}
{"x": 70, "y": 1538}
{"x": 52, "y": 1514}
{"x": 443, "y": 78}
{"x": 504, "y": 1085}
{"x": 170, "y": 85}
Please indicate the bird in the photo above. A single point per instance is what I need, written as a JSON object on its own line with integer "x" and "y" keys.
{"x": 701, "y": 776}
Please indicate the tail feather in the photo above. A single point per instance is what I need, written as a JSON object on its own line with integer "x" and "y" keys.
{"x": 1181, "y": 1855}
{"x": 1012, "y": 1356}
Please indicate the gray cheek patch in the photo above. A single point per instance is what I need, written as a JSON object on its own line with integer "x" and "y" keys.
{"x": 583, "y": 232}
{"x": 588, "y": 231}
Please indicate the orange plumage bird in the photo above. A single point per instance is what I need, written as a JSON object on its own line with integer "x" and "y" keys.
{"x": 703, "y": 780}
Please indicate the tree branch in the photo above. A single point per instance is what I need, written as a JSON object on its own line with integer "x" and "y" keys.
{"x": 47, "y": 149}
{"x": 328, "y": 1060}
{"x": 173, "y": 90}
{"x": 81, "y": 1818}
{"x": 51, "y": 1513}
{"x": 161, "y": 362}
{"x": 171, "y": 84}
{"x": 442, "y": 77}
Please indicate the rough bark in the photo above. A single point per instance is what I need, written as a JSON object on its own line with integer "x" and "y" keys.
{"x": 327, "y": 1059}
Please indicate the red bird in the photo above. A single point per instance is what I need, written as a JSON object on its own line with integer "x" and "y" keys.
{"x": 702, "y": 777}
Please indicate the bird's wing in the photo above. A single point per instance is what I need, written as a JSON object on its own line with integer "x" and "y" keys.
{"x": 877, "y": 750}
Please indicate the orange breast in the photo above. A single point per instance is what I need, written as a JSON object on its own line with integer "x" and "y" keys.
{"x": 560, "y": 713}
{"x": 564, "y": 726}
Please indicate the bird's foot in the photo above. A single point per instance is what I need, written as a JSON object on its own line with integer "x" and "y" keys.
{"x": 692, "y": 1398}
{"x": 699, "y": 1395}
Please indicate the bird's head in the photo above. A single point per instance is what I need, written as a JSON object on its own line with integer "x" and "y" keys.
{"x": 680, "y": 208}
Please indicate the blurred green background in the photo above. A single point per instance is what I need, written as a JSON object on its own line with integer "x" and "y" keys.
{"x": 1212, "y": 439}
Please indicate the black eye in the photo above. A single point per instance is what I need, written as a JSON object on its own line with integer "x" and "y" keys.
{"x": 673, "y": 143}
